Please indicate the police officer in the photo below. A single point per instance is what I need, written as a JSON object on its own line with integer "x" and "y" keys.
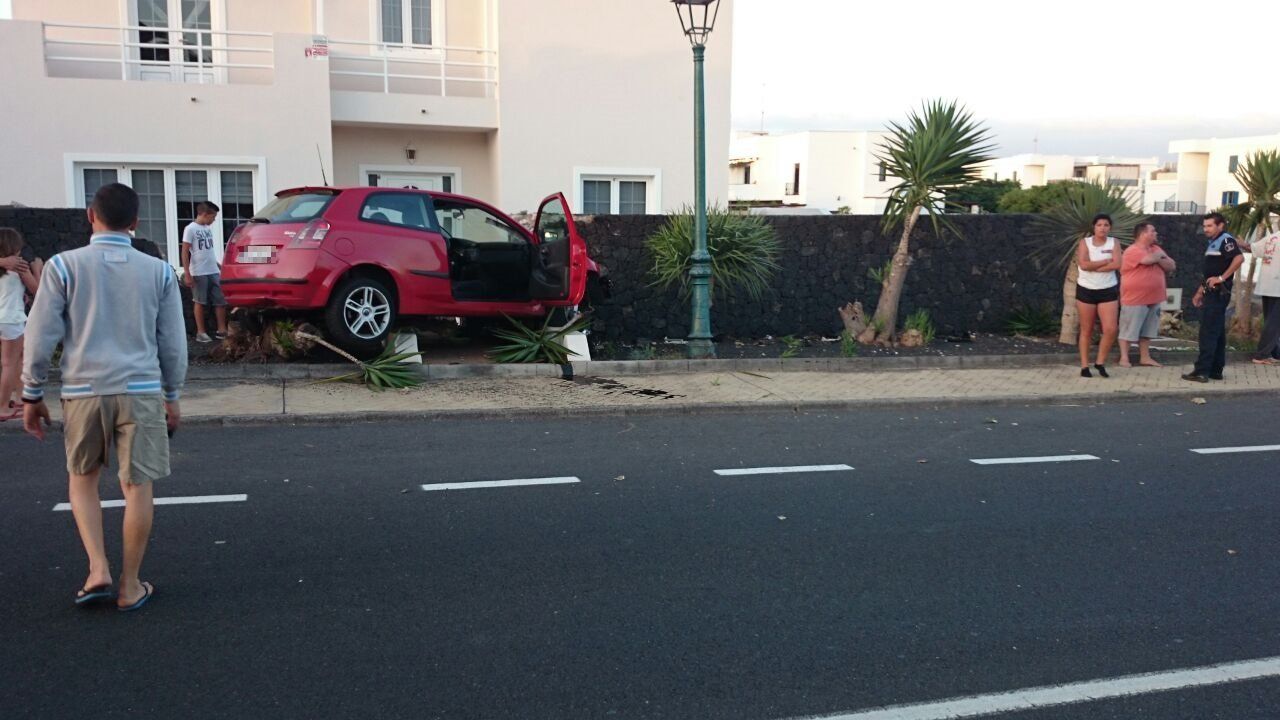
{"x": 1221, "y": 260}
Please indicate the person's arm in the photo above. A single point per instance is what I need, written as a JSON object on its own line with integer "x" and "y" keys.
{"x": 171, "y": 340}
{"x": 186, "y": 261}
{"x": 1166, "y": 263}
{"x": 1236, "y": 262}
{"x": 13, "y": 263}
{"x": 30, "y": 276}
{"x": 1230, "y": 247}
{"x": 45, "y": 329}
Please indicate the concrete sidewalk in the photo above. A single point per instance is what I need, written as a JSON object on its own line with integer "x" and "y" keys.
{"x": 309, "y": 401}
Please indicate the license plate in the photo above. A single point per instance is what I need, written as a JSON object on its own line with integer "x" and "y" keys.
{"x": 256, "y": 254}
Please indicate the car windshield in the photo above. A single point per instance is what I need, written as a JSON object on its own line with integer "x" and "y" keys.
{"x": 297, "y": 208}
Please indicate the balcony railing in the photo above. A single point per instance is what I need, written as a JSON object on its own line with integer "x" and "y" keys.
{"x": 137, "y": 52}
{"x": 1186, "y": 207}
{"x": 441, "y": 70}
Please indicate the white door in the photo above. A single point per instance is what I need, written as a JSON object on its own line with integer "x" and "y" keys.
{"x": 182, "y": 40}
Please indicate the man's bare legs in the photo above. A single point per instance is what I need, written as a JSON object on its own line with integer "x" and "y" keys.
{"x": 86, "y": 505}
{"x": 220, "y": 312}
{"x": 138, "y": 511}
{"x": 1144, "y": 353}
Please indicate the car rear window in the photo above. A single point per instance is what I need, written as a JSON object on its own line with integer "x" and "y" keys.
{"x": 299, "y": 208}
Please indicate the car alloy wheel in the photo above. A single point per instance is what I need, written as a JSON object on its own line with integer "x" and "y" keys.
{"x": 367, "y": 313}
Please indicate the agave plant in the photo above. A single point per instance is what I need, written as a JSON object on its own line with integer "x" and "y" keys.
{"x": 536, "y": 345}
{"x": 744, "y": 252}
{"x": 388, "y": 371}
{"x": 1061, "y": 227}
{"x": 1259, "y": 177}
{"x": 938, "y": 149}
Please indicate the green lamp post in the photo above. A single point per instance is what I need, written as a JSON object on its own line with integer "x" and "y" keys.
{"x": 698, "y": 19}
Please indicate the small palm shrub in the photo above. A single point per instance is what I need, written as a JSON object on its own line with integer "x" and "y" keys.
{"x": 1033, "y": 321}
{"x": 744, "y": 252}
{"x": 535, "y": 345}
{"x": 921, "y": 322}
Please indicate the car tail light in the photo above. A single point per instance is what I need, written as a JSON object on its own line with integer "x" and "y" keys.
{"x": 312, "y": 235}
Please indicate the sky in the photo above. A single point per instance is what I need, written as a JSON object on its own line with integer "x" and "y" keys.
{"x": 1089, "y": 77}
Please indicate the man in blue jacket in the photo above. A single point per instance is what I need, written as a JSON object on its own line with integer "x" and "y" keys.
{"x": 118, "y": 314}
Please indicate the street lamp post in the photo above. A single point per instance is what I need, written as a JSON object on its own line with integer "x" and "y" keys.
{"x": 698, "y": 19}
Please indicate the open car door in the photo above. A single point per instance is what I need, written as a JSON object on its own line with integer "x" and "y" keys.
{"x": 558, "y": 275}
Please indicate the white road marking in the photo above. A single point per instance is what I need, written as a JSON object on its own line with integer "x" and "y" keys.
{"x": 1071, "y": 693}
{"x": 1041, "y": 459}
{"x": 1245, "y": 449}
{"x": 780, "y": 470}
{"x": 190, "y": 500}
{"x": 500, "y": 483}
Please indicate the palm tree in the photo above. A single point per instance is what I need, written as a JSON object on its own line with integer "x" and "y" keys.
{"x": 1064, "y": 223}
{"x": 1259, "y": 177}
{"x": 938, "y": 149}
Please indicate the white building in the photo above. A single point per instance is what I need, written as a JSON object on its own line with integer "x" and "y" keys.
{"x": 232, "y": 100}
{"x": 1205, "y": 176}
{"x": 1034, "y": 169}
{"x": 820, "y": 170}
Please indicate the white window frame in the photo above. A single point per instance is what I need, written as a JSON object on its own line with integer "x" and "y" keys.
{"x": 455, "y": 173}
{"x": 217, "y": 20}
{"x": 432, "y": 51}
{"x": 74, "y": 165}
{"x": 652, "y": 177}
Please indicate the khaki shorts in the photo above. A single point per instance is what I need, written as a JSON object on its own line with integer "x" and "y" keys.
{"x": 135, "y": 424}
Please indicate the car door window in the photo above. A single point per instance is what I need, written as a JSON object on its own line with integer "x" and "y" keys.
{"x": 467, "y": 222}
{"x": 400, "y": 209}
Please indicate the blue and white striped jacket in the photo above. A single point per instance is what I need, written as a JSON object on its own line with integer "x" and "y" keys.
{"x": 117, "y": 313}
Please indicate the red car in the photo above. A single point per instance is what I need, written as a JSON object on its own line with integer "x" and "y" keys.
{"x": 365, "y": 257}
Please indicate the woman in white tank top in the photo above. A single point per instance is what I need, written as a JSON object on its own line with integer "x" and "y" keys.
{"x": 1098, "y": 293}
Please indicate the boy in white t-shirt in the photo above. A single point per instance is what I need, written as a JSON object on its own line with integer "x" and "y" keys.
{"x": 1268, "y": 288}
{"x": 202, "y": 272}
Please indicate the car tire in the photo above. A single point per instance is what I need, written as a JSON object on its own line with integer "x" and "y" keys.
{"x": 360, "y": 315}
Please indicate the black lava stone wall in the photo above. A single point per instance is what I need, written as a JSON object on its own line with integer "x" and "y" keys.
{"x": 50, "y": 231}
{"x": 967, "y": 283}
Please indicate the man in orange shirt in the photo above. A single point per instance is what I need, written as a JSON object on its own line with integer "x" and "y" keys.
{"x": 1142, "y": 293}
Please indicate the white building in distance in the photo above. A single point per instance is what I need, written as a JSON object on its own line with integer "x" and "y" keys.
{"x": 822, "y": 171}
{"x": 232, "y": 100}
{"x": 1034, "y": 169}
{"x": 1204, "y": 179}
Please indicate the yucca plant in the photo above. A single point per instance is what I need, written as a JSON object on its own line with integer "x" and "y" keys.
{"x": 744, "y": 252}
{"x": 1032, "y": 321}
{"x": 1259, "y": 177}
{"x": 922, "y": 323}
{"x": 387, "y": 371}
{"x": 936, "y": 150}
{"x": 536, "y": 345}
{"x": 1069, "y": 220}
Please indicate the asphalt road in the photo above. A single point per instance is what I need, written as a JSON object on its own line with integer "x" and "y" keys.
{"x": 656, "y": 588}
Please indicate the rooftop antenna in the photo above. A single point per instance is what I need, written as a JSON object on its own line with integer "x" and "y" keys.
{"x": 320, "y": 157}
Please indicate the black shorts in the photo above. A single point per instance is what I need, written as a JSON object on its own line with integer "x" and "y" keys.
{"x": 1097, "y": 297}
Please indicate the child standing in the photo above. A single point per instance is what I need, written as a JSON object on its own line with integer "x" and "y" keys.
{"x": 202, "y": 272}
{"x": 14, "y": 286}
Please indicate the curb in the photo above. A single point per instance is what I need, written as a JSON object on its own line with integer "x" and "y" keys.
{"x": 612, "y": 368}
{"x": 767, "y": 406}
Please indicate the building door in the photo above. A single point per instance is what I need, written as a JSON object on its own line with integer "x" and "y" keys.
{"x": 175, "y": 40}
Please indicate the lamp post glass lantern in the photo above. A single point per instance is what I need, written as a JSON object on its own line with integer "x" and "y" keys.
{"x": 698, "y": 19}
